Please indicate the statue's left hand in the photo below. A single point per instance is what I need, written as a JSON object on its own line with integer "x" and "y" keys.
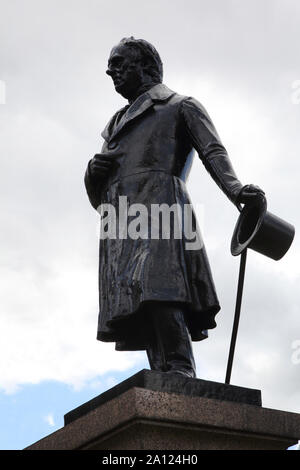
{"x": 250, "y": 194}
{"x": 102, "y": 163}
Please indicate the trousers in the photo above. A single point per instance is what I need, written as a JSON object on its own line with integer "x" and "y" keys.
{"x": 170, "y": 346}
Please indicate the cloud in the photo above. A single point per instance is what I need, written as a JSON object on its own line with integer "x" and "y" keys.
{"x": 49, "y": 419}
{"x": 49, "y": 327}
{"x": 58, "y": 99}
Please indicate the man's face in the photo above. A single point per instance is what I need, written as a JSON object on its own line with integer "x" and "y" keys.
{"x": 125, "y": 71}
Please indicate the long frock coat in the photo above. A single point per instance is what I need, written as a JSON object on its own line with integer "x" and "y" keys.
{"x": 156, "y": 136}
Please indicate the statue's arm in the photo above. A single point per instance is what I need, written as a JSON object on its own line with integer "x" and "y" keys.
{"x": 97, "y": 173}
{"x": 92, "y": 187}
{"x": 212, "y": 153}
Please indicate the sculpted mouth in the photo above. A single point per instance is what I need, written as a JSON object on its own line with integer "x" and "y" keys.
{"x": 117, "y": 80}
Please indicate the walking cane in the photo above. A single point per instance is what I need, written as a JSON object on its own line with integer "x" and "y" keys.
{"x": 236, "y": 314}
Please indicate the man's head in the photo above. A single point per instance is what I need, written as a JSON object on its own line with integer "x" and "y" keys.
{"x": 132, "y": 64}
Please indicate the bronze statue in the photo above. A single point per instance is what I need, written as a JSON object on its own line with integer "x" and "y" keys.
{"x": 154, "y": 294}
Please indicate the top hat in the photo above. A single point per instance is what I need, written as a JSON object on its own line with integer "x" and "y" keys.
{"x": 261, "y": 231}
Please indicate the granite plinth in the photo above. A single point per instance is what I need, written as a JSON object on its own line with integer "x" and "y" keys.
{"x": 140, "y": 418}
{"x": 170, "y": 383}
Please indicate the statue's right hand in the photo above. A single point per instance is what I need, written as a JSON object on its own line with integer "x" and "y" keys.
{"x": 102, "y": 163}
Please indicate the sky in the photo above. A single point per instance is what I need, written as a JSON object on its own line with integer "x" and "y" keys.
{"x": 240, "y": 59}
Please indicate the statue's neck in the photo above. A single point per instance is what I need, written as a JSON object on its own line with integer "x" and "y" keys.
{"x": 142, "y": 89}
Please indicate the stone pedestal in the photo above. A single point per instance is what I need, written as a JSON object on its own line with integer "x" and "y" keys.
{"x": 157, "y": 411}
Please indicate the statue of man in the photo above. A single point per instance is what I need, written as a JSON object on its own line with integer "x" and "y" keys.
{"x": 155, "y": 294}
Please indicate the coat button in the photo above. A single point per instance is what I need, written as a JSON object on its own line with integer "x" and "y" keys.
{"x": 112, "y": 145}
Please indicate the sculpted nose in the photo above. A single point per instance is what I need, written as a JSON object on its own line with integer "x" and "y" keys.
{"x": 109, "y": 72}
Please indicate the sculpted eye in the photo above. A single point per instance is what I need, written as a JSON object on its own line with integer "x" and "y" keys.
{"x": 115, "y": 61}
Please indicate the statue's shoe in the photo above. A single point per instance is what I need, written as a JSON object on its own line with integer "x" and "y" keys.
{"x": 185, "y": 373}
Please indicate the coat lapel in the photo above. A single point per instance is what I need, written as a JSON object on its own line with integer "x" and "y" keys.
{"x": 158, "y": 93}
{"x": 106, "y": 133}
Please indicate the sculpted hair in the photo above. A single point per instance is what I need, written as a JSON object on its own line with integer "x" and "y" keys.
{"x": 147, "y": 53}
